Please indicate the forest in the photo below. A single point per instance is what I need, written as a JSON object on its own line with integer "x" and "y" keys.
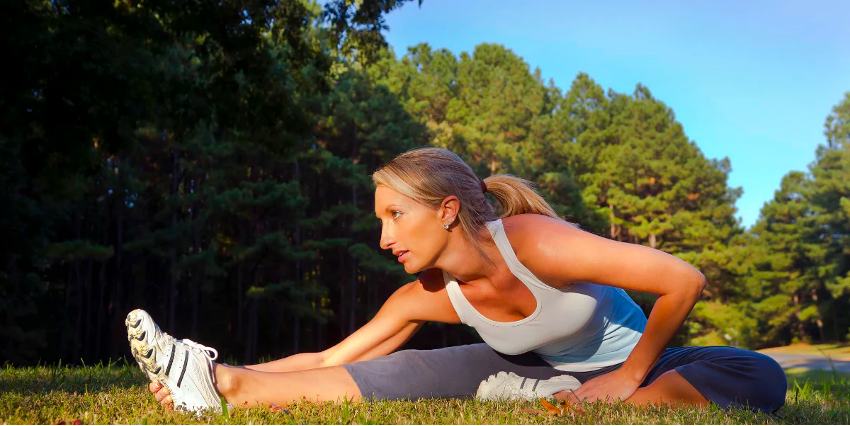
{"x": 211, "y": 162}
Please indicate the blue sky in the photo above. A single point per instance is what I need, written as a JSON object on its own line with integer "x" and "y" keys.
{"x": 752, "y": 81}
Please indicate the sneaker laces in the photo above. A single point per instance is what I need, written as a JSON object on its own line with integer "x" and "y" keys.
{"x": 205, "y": 350}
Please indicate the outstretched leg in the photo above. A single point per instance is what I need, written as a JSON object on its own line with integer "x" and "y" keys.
{"x": 186, "y": 377}
{"x": 241, "y": 387}
{"x": 445, "y": 373}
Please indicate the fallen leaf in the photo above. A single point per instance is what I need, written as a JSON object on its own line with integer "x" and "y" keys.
{"x": 551, "y": 409}
{"x": 566, "y": 404}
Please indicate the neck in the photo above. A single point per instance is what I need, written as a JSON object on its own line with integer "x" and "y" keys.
{"x": 461, "y": 260}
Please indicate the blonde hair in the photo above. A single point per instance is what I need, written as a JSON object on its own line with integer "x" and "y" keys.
{"x": 429, "y": 175}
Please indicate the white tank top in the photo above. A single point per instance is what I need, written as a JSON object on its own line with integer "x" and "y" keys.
{"x": 581, "y": 327}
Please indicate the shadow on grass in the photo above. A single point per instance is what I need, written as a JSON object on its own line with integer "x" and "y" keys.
{"x": 74, "y": 379}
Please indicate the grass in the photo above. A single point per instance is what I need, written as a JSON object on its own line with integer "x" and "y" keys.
{"x": 118, "y": 394}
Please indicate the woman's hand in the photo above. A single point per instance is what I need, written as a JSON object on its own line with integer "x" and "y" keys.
{"x": 162, "y": 395}
{"x": 609, "y": 387}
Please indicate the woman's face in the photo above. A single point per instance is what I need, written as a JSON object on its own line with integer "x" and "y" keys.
{"x": 411, "y": 229}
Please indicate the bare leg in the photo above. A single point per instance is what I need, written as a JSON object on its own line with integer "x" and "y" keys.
{"x": 670, "y": 388}
{"x": 242, "y": 387}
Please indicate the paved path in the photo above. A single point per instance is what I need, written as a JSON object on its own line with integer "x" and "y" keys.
{"x": 810, "y": 361}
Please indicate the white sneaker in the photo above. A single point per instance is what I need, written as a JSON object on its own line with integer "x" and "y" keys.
{"x": 503, "y": 385}
{"x": 184, "y": 367}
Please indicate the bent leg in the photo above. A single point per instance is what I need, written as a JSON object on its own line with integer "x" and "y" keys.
{"x": 726, "y": 376}
{"x": 669, "y": 388}
{"x": 242, "y": 387}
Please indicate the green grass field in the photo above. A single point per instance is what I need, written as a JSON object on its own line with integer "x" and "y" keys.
{"x": 118, "y": 394}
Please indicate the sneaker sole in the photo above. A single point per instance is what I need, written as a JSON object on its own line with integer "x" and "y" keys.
{"x": 141, "y": 330}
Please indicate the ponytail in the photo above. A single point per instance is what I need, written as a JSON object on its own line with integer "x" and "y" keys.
{"x": 517, "y": 196}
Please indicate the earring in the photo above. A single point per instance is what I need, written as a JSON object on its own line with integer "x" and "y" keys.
{"x": 446, "y": 226}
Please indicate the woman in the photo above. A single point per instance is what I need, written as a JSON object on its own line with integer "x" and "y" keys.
{"x": 545, "y": 296}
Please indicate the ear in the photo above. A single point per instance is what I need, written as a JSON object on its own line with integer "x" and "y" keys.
{"x": 449, "y": 209}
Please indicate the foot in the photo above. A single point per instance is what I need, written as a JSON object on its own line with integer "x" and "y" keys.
{"x": 184, "y": 367}
{"x": 504, "y": 385}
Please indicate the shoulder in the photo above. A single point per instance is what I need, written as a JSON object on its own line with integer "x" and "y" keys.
{"x": 558, "y": 253}
{"x": 540, "y": 241}
{"x": 530, "y": 232}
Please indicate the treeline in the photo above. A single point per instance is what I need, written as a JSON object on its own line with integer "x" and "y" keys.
{"x": 211, "y": 165}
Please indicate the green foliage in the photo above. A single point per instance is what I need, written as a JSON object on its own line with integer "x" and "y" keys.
{"x": 76, "y": 250}
{"x": 212, "y": 165}
{"x": 165, "y": 157}
{"x": 799, "y": 253}
{"x": 727, "y": 325}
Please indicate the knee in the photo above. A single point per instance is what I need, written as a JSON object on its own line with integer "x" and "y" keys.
{"x": 775, "y": 384}
{"x": 749, "y": 379}
{"x": 767, "y": 383}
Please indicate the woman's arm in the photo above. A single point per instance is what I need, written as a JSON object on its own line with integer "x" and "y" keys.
{"x": 401, "y": 316}
{"x": 297, "y": 362}
{"x": 563, "y": 254}
{"x": 311, "y": 360}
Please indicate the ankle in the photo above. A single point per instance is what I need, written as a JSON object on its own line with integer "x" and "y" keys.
{"x": 225, "y": 380}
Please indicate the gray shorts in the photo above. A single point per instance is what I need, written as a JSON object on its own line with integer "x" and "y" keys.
{"x": 726, "y": 376}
